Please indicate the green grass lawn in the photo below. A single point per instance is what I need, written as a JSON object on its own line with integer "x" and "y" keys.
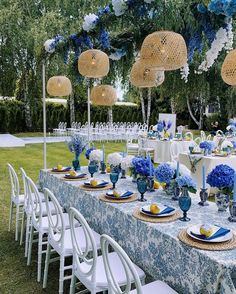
{"x": 15, "y": 275}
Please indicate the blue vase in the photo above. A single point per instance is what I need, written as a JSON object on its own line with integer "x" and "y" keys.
{"x": 222, "y": 201}
{"x": 142, "y": 188}
{"x": 76, "y": 163}
{"x": 185, "y": 204}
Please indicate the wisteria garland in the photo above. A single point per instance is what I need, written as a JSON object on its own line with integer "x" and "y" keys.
{"x": 184, "y": 72}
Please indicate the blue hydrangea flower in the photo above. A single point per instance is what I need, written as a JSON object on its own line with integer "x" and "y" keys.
{"x": 207, "y": 145}
{"x": 188, "y": 182}
{"x": 77, "y": 144}
{"x": 160, "y": 126}
{"x": 141, "y": 166}
{"x": 222, "y": 176}
{"x": 164, "y": 173}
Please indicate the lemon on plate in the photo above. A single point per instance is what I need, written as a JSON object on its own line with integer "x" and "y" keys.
{"x": 154, "y": 208}
{"x": 73, "y": 173}
{"x": 116, "y": 194}
{"x": 157, "y": 185}
{"x": 108, "y": 169}
{"x": 59, "y": 167}
{"x": 93, "y": 183}
{"x": 206, "y": 230}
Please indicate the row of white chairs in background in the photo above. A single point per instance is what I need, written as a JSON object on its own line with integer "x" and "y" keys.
{"x": 69, "y": 235}
{"x": 105, "y": 131}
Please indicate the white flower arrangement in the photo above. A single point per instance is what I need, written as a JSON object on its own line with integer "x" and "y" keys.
{"x": 126, "y": 162}
{"x": 119, "y": 7}
{"x": 48, "y": 46}
{"x": 96, "y": 155}
{"x": 114, "y": 159}
{"x": 183, "y": 170}
{"x": 227, "y": 144}
{"x": 90, "y": 21}
{"x": 223, "y": 39}
{"x": 184, "y": 72}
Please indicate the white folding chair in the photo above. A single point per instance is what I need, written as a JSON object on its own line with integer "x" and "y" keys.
{"x": 203, "y": 136}
{"x": 197, "y": 140}
{"x": 17, "y": 200}
{"x": 130, "y": 270}
{"x": 131, "y": 148}
{"x": 91, "y": 271}
{"x": 60, "y": 240}
{"x": 175, "y": 150}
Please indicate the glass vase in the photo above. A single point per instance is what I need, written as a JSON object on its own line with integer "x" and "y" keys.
{"x": 169, "y": 189}
{"x": 76, "y": 163}
{"x": 222, "y": 200}
{"x": 185, "y": 204}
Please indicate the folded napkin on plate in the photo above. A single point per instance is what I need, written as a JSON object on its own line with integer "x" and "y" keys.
{"x": 99, "y": 185}
{"x": 163, "y": 211}
{"x": 219, "y": 233}
{"x": 64, "y": 169}
{"x": 126, "y": 194}
{"x": 78, "y": 176}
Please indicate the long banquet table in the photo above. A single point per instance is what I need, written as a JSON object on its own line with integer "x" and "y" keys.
{"x": 162, "y": 149}
{"x": 154, "y": 247}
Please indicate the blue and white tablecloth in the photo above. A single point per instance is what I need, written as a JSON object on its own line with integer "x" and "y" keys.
{"x": 154, "y": 247}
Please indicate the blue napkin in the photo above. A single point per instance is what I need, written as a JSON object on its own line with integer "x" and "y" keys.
{"x": 126, "y": 194}
{"x": 166, "y": 210}
{"x": 63, "y": 170}
{"x": 99, "y": 185}
{"x": 221, "y": 232}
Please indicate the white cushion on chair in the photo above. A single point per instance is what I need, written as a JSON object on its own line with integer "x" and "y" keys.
{"x": 45, "y": 224}
{"x": 68, "y": 250}
{"x": 157, "y": 287}
{"x": 117, "y": 269}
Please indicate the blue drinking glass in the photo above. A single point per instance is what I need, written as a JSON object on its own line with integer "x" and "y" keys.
{"x": 185, "y": 204}
{"x": 114, "y": 179}
{"x": 142, "y": 188}
{"x": 92, "y": 168}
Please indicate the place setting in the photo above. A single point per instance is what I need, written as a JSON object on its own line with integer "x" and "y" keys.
{"x": 60, "y": 169}
{"x": 115, "y": 196}
{"x": 74, "y": 176}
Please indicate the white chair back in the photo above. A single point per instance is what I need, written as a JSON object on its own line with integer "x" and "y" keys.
{"x": 15, "y": 186}
{"x": 209, "y": 137}
{"x": 34, "y": 201}
{"x": 83, "y": 255}
{"x": 130, "y": 271}
{"x": 197, "y": 140}
{"x": 55, "y": 218}
{"x": 220, "y": 133}
{"x": 26, "y": 199}
{"x": 174, "y": 151}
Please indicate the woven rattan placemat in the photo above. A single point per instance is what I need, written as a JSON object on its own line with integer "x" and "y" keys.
{"x": 137, "y": 214}
{"x": 133, "y": 198}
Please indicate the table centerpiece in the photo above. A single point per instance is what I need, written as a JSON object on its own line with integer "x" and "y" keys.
{"x": 77, "y": 145}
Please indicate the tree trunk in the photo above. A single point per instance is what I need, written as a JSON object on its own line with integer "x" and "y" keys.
{"x": 72, "y": 109}
{"x": 28, "y": 118}
{"x": 149, "y": 105}
{"x": 110, "y": 115}
{"x": 142, "y": 105}
{"x": 191, "y": 114}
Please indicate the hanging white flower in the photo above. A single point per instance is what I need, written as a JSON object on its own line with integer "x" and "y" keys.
{"x": 222, "y": 38}
{"x": 184, "y": 72}
{"x": 126, "y": 162}
{"x": 90, "y": 21}
{"x": 114, "y": 159}
{"x": 48, "y": 46}
{"x": 96, "y": 155}
{"x": 229, "y": 43}
{"x": 119, "y": 7}
{"x": 148, "y": 1}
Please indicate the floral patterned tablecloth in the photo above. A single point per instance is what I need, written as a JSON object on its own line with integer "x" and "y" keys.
{"x": 154, "y": 247}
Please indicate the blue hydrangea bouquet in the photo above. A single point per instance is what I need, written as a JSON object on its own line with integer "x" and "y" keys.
{"x": 187, "y": 182}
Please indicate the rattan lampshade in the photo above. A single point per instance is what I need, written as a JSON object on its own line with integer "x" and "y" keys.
{"x": 93, "y": 64}
{"x": 59, "y": 86}
{"x": 143, "y": 76}
{"x": 164, "y": 50}
{"x": 104, "y": 95}
{"x": 228, "y": 70}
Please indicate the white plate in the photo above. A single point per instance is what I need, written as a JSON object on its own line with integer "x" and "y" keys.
{"x": 64, "y": 169}
{"x": 87, "y": 183}
{"x": 196, "y": 230}
{"x": 147, "y": 207}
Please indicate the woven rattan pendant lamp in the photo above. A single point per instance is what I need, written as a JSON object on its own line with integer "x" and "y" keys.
{"x": 228, "y": 70}
{"x": 143, "y": 76}
{"x": 93, "y": 64}
{"x": 59, "y": 86}
{"x": 164, "y": 50}
{"x": 104, "y": 95}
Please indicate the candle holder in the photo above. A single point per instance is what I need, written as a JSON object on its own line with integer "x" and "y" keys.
{"x": 232, "y": 210}
{"x": 176, "y": 191}
{"x": 203, "y": 197}
{"x": 123, "y": 174}
{"x": 151, "y": 184}
{"x": 103, "y": 168}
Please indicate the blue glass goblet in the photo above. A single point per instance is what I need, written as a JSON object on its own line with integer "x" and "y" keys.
{"x": 114, "y": 179}
{"x": 142, "y": 188}
{"x": 185, "y": 204}
{"x": 92, "y": 168}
